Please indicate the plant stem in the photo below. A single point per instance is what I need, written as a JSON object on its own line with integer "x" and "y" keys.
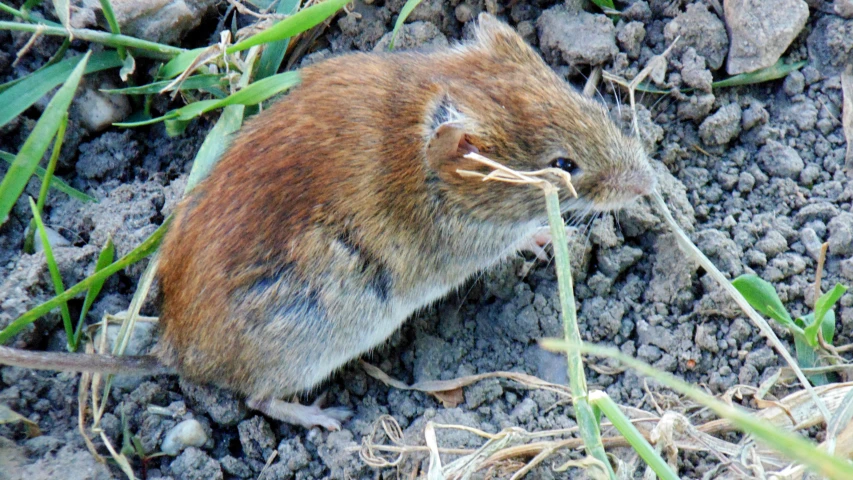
{"x": 584, "y": 414}
{"x": 105, "y": 38}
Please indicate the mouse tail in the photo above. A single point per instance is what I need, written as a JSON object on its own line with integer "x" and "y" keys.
{"x": 79, "y": 362}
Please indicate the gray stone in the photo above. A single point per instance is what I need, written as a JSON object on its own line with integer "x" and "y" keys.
{"x": 841, "y": 234}
{"x": 257, "y": 438}
{"x": 844, "y": 8}
{"x": 760, "y": 31}
{"x": 794, "y": 83}
{"x": 630, "y": 37}
{"x": 702, "y": 30}
{"x": 693, "y": 71}
{"x": 721, "y": 127}
{"x": 576, "y": 38}
{"x": 780, "y": 160}
{"x": 415, "y": 35}
{"x": 188, "y": 433}
{"x": 163, "y": 21}
{"x": 194, "y": 464}
{"x": 772, "y": 244}
{"x": 830, "y": 45}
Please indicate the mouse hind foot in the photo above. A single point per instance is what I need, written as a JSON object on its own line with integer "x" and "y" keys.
{"x": 307, "y": 416}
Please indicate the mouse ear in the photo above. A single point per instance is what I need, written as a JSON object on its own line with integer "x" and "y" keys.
{"x": 449, "y": 135}
{"x": 449, "y": 142}
{"x": 501, "y": 38}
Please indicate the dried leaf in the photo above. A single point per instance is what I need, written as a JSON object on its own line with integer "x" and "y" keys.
{"x": 450, "y": 398}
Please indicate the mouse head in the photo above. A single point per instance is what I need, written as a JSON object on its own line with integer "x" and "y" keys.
{"x": 501, "y": 99}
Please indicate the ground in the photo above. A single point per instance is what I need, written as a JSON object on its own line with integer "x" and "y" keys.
{"x": 754, "y": 173}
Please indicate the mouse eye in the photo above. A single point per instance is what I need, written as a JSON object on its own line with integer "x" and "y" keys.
{"x": 565, "y": 164}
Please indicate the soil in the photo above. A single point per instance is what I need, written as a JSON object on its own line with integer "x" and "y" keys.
{"x": 754, "y": 173}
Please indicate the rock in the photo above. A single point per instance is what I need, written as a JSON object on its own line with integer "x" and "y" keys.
{"x": 53, "y": 238}
{"x": 693, "y": 71}
{"x": 420, "y": 35}
{"x": 721, "y": 127}
{"x": 221, "y": 406}
{"x": 188, "y": 433}
{"x": 163, "y": 21}
{"x": 630, "y": 37}
{"x": 772, "y": 244}
{"x": 576, "y": 38}
{"x": 702, "y": 30}
{"x": 841, "y": 235}
{"x": 754, "y": 115}
{"x": 194, "y": 464}
{"x": 257, "y": 438}
{"x": 794, "y": 83}
{"x": 830, "y": 45}
{"x": 844, "y": 8}
{"x": 107, "y": 156}
{"x": 780, "y": 160}
{"x": 97, "y": 110}
{"x": 761, "y": 31}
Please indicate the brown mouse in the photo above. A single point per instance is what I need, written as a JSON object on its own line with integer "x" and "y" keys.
{"x": 338, "y": 212}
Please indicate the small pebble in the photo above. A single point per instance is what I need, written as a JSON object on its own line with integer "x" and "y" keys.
{"x": 188, "y": 433}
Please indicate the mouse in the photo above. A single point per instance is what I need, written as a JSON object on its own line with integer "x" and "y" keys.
{"x": 338, "y": 212}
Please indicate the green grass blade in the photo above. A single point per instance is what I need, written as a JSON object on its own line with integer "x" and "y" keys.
{"x": 763, "y": 297}
{"x": 775, "y": 72}
{"x": 22, "y": 96}
{"x": 826, "y": 301}
{"x": 196, "y": 82}
{"x": 48, "y": 179}
{"x": 305, "y": 19}
{"x": 181, "y": 62}
{"x": 251, "y": 95}
{"x": 401, "y": 19}
{"x": 790, "y": 444}
{"x": 32, "y": 151}
{"x": 632, "y": 435}
{"x": 105, "y": 258}
{"x": 55, "y": 276}
{"x": 55, "y": 182}
{"x": 604, "y": 4}
{"x": 107, "y": 9}
{"x": 63, "y": 11}
{"x": 143, "y": 47}
{"x": 145, "y": 249}
{"x": 214, "y": 144}
{"x": 587, "y": 421}
{"x": 273, "y": 53}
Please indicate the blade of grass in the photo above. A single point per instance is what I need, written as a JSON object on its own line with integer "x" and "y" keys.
{"x": 274, "y": 52}
{"x": 143, "y": 250}
{"x": 253, "y": 94}
{"x": 303, "y": 20}
{"x": 55, "y": 276}
{"x": 16, "y": 99}
{"x": 401, "y": 19}
{"x": 55, "y": 182}
{"x": 789, "y": 444}
{"x": 584, "y": 414}
{"x": 151, "y": 49}
{"x": 775, "y": 72}
{"x": 604, "y": 4}
{"x": 63, "y": 12}
{"x": 632, "y": 435}
{"x": 36, "y": 144}
{"x": 196, "y": 82}
{"x": 181, "y": 62}
{"x": 107, "y": 9}
{"x": 216, "y": 140}
{"x": 48, "y": 179}
{"x": 105, "y": 258}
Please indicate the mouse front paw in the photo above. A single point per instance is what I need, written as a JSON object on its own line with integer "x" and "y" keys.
{"x": 307, "y": 416}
